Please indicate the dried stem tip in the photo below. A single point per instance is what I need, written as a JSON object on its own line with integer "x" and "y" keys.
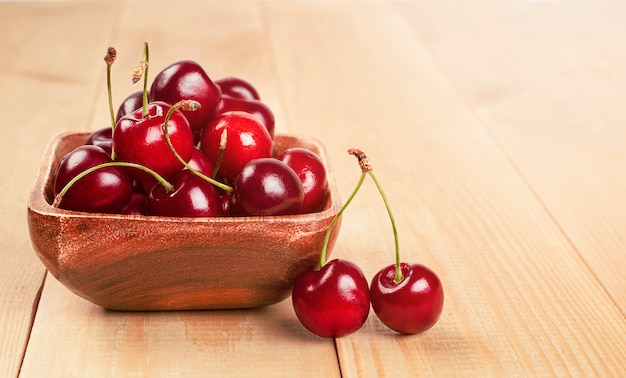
{"x": 139, "y": 70}
{"x": 109, "y": 58}
{"x": 189, "y": 105}
{"x": 364, "y": 162}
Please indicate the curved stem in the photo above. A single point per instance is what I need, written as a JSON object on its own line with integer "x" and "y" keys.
{"x": 336, "y": 218}
{"x": 57, "y": 200}
{"x": 399, "y": 277}
{"x": 188, "y": 105}
{"x": 220, "y": 156}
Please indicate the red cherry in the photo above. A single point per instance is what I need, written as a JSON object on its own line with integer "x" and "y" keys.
{"x": 254, "y": 107}
{"x": 267, "y": 186}
{"x": 101, "y": 138}
{"x": 227, "y": 201}
{"x": 191, "y": 196}
{"x": 106, "y": 190}
{"x": 411, "y": 306}
{"x": 142, "y": 140}
{"x": 238, "y": 88}
{"x": 247, "y": 139}
{"x": 137, "y": 205}
{"x": 333, "y": 301}
{"x": 186, "y": 79}
{"x": 312, "y": 173}
{"x": 131, "y": 103}
{"x": 200, "y": 162}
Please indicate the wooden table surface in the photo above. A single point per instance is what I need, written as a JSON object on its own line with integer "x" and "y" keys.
{"x": 497, "y": 128}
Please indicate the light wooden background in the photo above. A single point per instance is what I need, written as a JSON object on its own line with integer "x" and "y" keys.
{"x": 498, "y": 129}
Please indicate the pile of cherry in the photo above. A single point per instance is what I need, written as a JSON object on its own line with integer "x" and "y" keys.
{"x": 190, "y": 146}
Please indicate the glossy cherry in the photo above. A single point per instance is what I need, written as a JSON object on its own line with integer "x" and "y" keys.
{"x": 191, "y": 196}
{"x": 254, "y": 107}
{"x": 246, "y": 139}
{"x": 105, "y": 190}
{"x": 411, "y": 306}
{"x": 407, "y": 298}
{"x": 333, "y": 301}
{"x": 131, "y": 103}
{"x": 186, "y": 79}
{"x": 312, "y": 173}
{"x": 102, "y": 138}
{"x": 141, "y": 140}
{"x": 267, "y": 186}
{"x": 137, "y": 205}
{"x": 238, "y": 88}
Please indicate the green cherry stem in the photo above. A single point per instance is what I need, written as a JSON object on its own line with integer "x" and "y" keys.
{"x": 142, "y": 71}
{"x": 336, "y": 218}
{"x": 364, "y": 169}
{"x": 57, "y": 200}
{"x": 399, "y": 277}
{"x": 367, "y": 168}
{"x": 220, "y": 156}
{"x": 189, "y": 105}
{"x": 109, "y": 58}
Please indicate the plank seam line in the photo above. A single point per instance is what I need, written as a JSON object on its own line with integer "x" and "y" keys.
{"x": 518, "y": 171}
{"x": 31, "y": 321}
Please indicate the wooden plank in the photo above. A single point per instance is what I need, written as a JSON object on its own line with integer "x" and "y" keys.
{"x": 553, "y": 98}
{"x": 520, "y": 300}
{"x": 73, "y": 337}
{"x": 40, "y": 96}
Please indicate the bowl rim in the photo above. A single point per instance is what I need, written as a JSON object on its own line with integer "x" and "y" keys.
{"x": 38, "y": 203}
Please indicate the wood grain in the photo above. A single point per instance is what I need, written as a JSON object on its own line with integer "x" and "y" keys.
{"x": 520, "y": 299}
{"x": 560, "y": 100}
{"x": 495, "y": 128}
{"x": 45, "y": 74}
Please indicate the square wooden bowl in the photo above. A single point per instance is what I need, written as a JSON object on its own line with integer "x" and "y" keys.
{"x": 148, "y": 263}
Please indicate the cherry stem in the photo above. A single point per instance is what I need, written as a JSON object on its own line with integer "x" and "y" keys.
{"x": 336, "y": 218}
{"x": 399, "y": 277}
{"x": 189, "y": 105}
{"x": 57, "y": 200}
{"x": 109, "y": 58}
{"x": 142, "y": 71}
{"x": 367, "y": 168}
{"x": 220, "y": 156}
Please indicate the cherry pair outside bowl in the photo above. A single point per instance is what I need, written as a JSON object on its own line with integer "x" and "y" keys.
{"x": 149, "y": 263}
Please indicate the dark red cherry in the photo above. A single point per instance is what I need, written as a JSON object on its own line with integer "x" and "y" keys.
{"x": 142, "y": 141}
{"x": 247, "y": 139}
{"x": 186, "y": 79}
{"x": 238, "y": 88}
{"x": 254, "y": 107}
{"x": 106, "y": 190}
{"x": 267, "y": 186}
{"x": 411, "y": 306}
{"x": 101, "y": 138}
{"x": 131, "y": 103}
{"x": 311, "y": 171}
{"x": 333, "y": 301}
{"x": 227, "y": 200}
{"x": 192, "y": 196}
{"x": 137, "y": 205}
{"x": 200, "y": 162}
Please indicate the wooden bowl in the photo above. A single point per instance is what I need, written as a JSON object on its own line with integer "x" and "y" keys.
{"x": 147, "y": 263}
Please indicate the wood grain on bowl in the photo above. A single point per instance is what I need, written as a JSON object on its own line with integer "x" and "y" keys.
{"x": 145, "y": 263}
